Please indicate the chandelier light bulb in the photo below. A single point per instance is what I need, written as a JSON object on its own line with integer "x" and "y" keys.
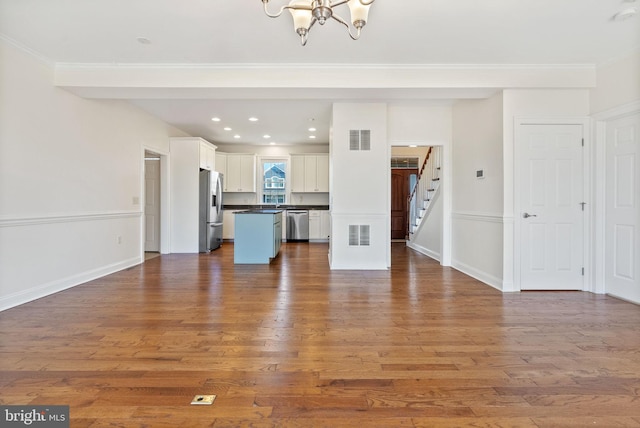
{"x": 306, "y": 13}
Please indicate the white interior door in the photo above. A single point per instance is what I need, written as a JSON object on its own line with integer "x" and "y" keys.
{"x": 622, "y": 241}
{"x": 551, "y": 209}
{"x": 152, "y": 203}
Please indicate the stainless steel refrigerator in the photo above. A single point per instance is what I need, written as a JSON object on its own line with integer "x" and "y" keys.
{"x": 210, "y": 226}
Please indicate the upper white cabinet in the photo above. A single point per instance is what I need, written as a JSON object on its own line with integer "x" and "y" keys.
{"x": 221, "y": 167}
{"x": 297, "y": 173}
{"x": 207, "y": 156}
{"x": 240, "y": 173}
{"x": 310, "y": 173}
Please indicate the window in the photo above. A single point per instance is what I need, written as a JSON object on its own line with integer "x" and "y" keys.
{"x": 274, "y": 179}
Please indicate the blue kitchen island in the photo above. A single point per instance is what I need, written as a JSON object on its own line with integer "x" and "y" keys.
{"x": 257, "y": 236}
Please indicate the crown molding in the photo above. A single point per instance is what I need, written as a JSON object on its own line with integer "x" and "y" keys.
{"x": 320, "y": 66}
{"x": 31, "y": 52}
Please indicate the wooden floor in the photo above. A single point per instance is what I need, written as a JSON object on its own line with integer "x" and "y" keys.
{"x": 294, "y": 344}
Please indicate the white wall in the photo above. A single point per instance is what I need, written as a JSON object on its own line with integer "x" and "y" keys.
{"x": 618, "y": 83}
{"x": 477, "y": 204}
{"x": 360, "y": 187}
{"x": 419, "y": 123}
{"x": 70, "y": 181}
{"x": 185, "y": 194}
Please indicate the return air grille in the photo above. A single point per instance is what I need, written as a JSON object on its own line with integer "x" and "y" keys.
{"x": 360, "y": 139}
{"x": 359, "y": 235}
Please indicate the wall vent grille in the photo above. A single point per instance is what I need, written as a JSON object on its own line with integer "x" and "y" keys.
{"x": 360, "y": 139}
{"x": 359, "y": 235}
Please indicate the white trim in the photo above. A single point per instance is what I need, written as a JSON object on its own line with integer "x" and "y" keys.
{"x": 423, "y": 250}
{"x": 618, "y": 112}
{"x": 483, "y": 217}
{"x": 21, "y": 297}
{"x": 585, "y": 122}
{"x": 446, "y": 184}
{"x": 321, "y": 66}
{"x": 66, "y": 218}
{"x": 479, "y": 275}
{"x": 35, "y": 54}
{"x": 114, "y": 80}
{"x": 165, "y": 200}
{"x": 287, "y": 174}
{"x": 598, "y": 209}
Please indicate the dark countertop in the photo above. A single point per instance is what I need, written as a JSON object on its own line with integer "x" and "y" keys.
{"x": 260, "y": 211}
{"x": 279, "y": 208}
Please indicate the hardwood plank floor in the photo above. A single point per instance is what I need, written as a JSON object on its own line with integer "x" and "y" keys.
{"x": 293, "y": 344}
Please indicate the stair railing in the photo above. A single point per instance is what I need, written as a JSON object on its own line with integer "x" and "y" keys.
{"x": 425, "y": 179}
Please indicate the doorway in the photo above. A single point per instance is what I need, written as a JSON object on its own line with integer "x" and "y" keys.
{"x": 401, "y": 184}
{"x": 152, "y": 202}
{"x": 551, "y": 205}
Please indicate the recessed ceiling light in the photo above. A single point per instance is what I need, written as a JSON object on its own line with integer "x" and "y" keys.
{"x": 236, "y": 136}
{"x": 143, "y": 40}
{"x": 226, "y": 128}
{"x": 215, "y": 119}
{"x": 273, "y": 143}
{"x": 312, "y": 129}
{"x": 266, "y": 136}
{"x": 312, "y": 137}
{"x": 253, "y": 119}
{"x": 412, "y": 145}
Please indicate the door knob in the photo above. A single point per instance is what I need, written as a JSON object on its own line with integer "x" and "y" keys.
{"x": 527, "y": 215}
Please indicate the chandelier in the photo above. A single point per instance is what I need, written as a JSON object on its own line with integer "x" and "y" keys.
{"x": 306, "y": 13}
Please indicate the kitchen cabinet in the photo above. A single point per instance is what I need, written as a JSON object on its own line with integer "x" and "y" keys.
{"x": 325, "y": 224}
{"x": 228, "y": 224}
{"x": 297, "y": 173}
{"x": 310, "y": 173}
{"x": 240, "y": 173}
{"x": 207, "y": 156}
{"x": 221, "y": 167}
{"x": 258, "y": 236}
{"x": 318, "y": 225}
{"x": 185, "y": 163}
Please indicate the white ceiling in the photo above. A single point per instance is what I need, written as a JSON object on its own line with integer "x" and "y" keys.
{"x": 236, "y": 33}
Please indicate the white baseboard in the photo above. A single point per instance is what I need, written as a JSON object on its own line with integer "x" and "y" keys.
{"x": 38, "y": 292}
{"x": 477, "y": 274}
{"x": 423, "y": 250}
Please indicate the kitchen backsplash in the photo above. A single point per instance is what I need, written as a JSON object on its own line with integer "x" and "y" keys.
{"x": 232, "y": 198}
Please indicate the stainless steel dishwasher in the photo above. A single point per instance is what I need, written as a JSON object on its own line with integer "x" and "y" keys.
{"x": 297, "y": 225}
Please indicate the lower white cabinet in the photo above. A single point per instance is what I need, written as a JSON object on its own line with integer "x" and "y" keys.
{"x": 228, "y": 224}
{"x": 319, "y": 225}
{"x": 325, "y": 224}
